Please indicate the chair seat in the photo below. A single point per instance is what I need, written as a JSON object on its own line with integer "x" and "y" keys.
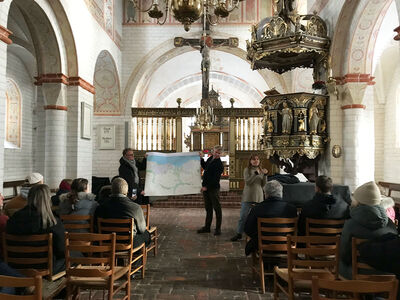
{"x": 51, "y": 288}
{"x": 98, "y": 281}
{"x": 152, "y": 230}
{"x": 304, "y": 283}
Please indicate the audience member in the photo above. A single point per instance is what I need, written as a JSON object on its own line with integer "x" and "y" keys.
{"x": 37, "y": 218}
{"x": 104, "y": 194}
{"x": 6, "y": 270}
{"x": 272, "y": 207}
{"x": 119, "y": 206}
{"x": 19, "y": 201}
{"x": 64, "y": 187}
{"x": 368, "y": 220}
{"x": 324, "y": 205}
{"x": 78, "y": 201}
{"x": 254, "y": 181}
{"x": 388, "y": 204}
{"x": 129, "y": 170}
{"x": 213, "y": 169}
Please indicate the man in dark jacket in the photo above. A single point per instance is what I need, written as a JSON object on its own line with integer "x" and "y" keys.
{"x": 213, "y": 168}
{"x": 129, "y": 170}
{"x": 323, "y": 206}
{"x": 119, "y": 206}
{"x": 272, "y": 207}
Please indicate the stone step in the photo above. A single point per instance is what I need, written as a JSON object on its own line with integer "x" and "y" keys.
{"x": 192, "y": 204}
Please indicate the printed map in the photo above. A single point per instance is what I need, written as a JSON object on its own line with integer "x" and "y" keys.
{"x": 169, "y": 174}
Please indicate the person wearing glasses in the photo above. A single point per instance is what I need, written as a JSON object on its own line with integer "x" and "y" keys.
{"x": 129, "y": 170}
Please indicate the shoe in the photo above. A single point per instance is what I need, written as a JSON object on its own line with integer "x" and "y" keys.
{"x": 203, "y": 230}
{"x": 237, "y": 237}
{"x": 217, "y": 232}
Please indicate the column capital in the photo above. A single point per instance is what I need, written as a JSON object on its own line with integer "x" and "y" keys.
{"x": 55, "y": 107}
{"x": 64, "y": 79}
{"x": 4, "y": 35}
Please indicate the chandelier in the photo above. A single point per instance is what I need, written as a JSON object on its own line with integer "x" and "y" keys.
{"x": 189, "y": 11}
{"x": 205, "y": 117}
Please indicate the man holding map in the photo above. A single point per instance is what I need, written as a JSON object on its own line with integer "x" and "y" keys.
{"x": 213, "y": 169}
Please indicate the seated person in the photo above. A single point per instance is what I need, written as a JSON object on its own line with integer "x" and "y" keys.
{"x": 104, "y": 194}
{"x": 323, "y": 206}
{"x": 64, "y": 187}
{"x": 119, "y": 206}
{"x": 37, "y": 218}
{"x": 78, "y": 201}
{"x": 19, "y": 201}
{"x": 368, "y": 220}
{"x": 388, "y": 205}
{"x": 272, "y": 207}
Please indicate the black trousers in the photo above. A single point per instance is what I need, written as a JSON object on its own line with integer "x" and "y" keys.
{"x": 211, "y": 201}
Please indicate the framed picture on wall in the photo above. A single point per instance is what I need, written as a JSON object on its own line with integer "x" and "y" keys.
{"x": 106, "y": 137}
{"x": 86, "y": 121}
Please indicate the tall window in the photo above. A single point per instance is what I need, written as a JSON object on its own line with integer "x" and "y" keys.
{"x": 13, "y": 115}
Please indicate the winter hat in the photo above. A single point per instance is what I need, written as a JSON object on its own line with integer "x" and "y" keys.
{"x": 367, "y": 194}
{"x": 65, "y": 186}
{"x": 34, "y": 178}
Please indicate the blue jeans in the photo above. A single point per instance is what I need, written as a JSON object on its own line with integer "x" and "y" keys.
{"x": 244, "y": 211}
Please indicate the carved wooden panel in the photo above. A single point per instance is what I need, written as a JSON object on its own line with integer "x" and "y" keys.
{"x": 197, "y": 141}
{"x": 211, "y": 139}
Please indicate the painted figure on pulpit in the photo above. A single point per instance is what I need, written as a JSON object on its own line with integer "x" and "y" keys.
{"x": 287, "y": 118}
{"x": 314, "y": 120}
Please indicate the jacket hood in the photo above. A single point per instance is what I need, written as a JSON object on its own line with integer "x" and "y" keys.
{"x": 327, "y": 200}
{"x": 372, "y": 217}
{"x": 387, "y": 202}
{"x": 81, "y": 196}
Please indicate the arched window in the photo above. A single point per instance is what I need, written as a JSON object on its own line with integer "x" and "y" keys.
{"x": 13, "y": 115}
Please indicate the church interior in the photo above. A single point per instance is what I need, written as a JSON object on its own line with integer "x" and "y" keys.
{"x": 310, "y": 86}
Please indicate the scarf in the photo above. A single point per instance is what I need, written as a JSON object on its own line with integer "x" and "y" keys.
{"x": 132, "y": 163}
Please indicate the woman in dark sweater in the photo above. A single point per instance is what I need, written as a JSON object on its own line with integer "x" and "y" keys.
{"x": 37, "y": 218}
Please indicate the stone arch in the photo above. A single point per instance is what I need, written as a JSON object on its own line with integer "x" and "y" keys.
{"x": 356, "y": 29}
{"x": 137, "y": 81}
{"x": 106, "y": 82}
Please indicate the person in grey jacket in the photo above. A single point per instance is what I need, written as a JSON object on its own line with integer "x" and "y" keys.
{"x": 78, "y": 201}
{"x": 368, "y": 220}
{"x": 254, "y": 178}
{"x": 119, "y": 206}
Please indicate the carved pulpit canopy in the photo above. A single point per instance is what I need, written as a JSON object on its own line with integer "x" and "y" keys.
{"x": 287, "y": 41}
{"x": 294, "y": 128}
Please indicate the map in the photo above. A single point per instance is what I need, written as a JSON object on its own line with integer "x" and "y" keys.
{"x": 169, "y": 174}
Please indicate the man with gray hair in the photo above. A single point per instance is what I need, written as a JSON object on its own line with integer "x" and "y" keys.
{"x": 273, "y": 206}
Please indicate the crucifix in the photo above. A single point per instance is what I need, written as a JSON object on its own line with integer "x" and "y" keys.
{"x": 204, "y": 44}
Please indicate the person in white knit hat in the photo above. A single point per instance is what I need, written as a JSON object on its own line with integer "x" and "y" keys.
{"x": 368, "y": 220}
{"x": 20, "y": 201}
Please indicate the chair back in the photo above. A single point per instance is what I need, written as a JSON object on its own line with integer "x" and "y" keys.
{"x": 146, "y": 213}
{"x": 22, "y": 282}
{"x": 360, "y": 270}
{"x": 272, "y": 233}
{"x": 313, "y": 258}
{"x": 353, "y": 287}
{"x": 29, "y": 252}
{"x": 100, "y": 253}
{"x": 77, "y": 223}
{"x": 324, "y": 226}
{"x": 123, "y": 228}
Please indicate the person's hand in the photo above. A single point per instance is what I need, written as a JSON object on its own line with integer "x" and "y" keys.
{"x": 134, "y": 197}
{"x": 265, "y": 171}
{"x": 201, "y": 154}
{"x": 145, "y": 155}
{"x": 142, "y": 193}
{"x": 204, "y": 188}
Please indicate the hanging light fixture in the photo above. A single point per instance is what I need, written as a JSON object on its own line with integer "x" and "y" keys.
{"x": 189, "y": 11}
{"x": 205, "y": 117}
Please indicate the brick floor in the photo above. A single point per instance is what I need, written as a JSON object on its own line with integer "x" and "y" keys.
{"x": 196, "y": 266}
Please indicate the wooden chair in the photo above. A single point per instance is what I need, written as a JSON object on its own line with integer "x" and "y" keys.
{"x": 22, "y": 282}
{"x": 151, "y": 229}
{"x": 324, "y": 226}
{"x": 303, "y": 263}
{"x": 124, "y": 247}
{"x": 353, "y": 287}
{"x": 32, "y": 255}
{"x": 77, "y": 223}
{"x": 97, "y": 269}
{"x": 271, "y": 244}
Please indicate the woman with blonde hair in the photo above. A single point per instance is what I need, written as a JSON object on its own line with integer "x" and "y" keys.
{"x": 37, "y": 218}
{"x": 254, "y": 178}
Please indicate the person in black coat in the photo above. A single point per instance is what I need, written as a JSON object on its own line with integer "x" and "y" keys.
{"x": 323, "y": 206}
{"x": 213, "y": 169}
{"x": 272, "y": 207}
{"x": 37, "y": 218}
{"x": 119, "y": 206}
{"x": 129, "y": 170}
